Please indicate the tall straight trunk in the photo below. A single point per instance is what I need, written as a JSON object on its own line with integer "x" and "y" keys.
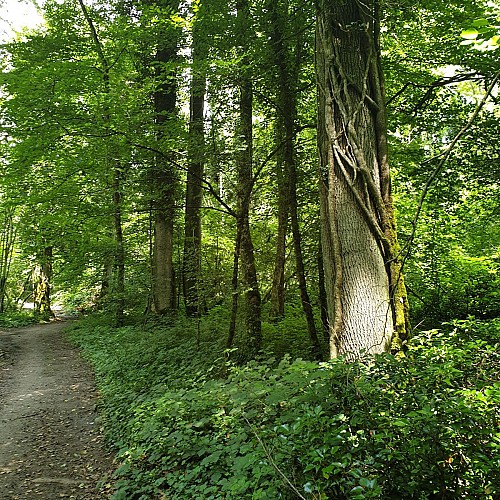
{"x": 278, "y": 286}
{"x": 283, "y": 137}
{"x": 194, "y": 192}
{"x": 7, "y": 239}
{"x": 234, "y": 288}
{"x": 288, "y": 72}
{"x": 117, "y": 180}
{"x": 365, "y": 293}
{"x": 244, "y": 189}
{"x": 119, "y": 292}
{"x": 300, "y": 268}
{"x": 163, "y": 177}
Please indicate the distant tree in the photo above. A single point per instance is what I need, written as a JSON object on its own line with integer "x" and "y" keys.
{"x": 191, "y": 269}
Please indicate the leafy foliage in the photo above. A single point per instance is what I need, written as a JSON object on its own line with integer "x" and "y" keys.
{"x": 189, "y": 421}
{"x": 16, "y": 319}
{"x": 421, "y": 426}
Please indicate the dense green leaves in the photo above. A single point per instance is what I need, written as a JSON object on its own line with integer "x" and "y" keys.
{"x": 188, "y": 421}
{"x": 420, "y": 426}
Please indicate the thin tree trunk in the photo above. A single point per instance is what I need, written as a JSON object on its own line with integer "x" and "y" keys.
{"x": 322, "y": 293}
{"x": 288, "y": 71}
{"x": 284, "y": 85}
{"x": 117, "y": 180}
{"x": 245, "y": 183}
{"x": 278, "y": 287}
{"x": 6, "y": 250}
{"x": 234, "y": 288}
{"x": 119, "y": 292}
{"x": 194, "y": 192}
{"x": 301, "y": 274}
{"x": 358, "y": 236}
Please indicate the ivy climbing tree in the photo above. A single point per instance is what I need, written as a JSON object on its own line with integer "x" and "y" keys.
{"x": 367, "y": 303}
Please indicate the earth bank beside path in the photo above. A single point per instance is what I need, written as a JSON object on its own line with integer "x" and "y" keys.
{"x": 50, "y": 441}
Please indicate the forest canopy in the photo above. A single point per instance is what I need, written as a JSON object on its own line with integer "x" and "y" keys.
{"x": 248, "y": 179}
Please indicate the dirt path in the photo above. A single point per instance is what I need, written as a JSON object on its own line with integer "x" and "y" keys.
{"x": 50, "y": 443}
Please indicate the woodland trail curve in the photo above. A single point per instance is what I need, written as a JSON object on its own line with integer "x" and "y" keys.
{"x": 50, "y": 441}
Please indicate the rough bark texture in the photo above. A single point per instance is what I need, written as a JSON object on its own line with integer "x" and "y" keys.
{"x": 194, "y": 191}
{"x": 42, "y": 277}
{"x": 358, "y": 235}
{"x": 163, "y": 177}
{"x": 245, "y": 183}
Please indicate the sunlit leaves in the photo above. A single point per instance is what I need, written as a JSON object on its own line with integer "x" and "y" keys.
{"x": 484, "y": 34}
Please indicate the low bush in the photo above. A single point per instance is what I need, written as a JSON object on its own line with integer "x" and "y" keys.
{"x": 16, "y": 319}
{"x": 421, "y": 426}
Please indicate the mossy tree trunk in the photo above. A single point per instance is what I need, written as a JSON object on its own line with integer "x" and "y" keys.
{"x": 42, "y": 277}
{"x": 367, "y": 304}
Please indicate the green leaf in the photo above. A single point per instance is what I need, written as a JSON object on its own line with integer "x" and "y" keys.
{"x": 478, "y": 23}
{"x": 470, "y": 34}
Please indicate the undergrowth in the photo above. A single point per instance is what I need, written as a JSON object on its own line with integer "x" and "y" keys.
{"x": 16, "y": 319}
{"x": 189, "y": 423}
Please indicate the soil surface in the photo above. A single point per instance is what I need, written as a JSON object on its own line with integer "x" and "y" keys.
{"x": 50, "y": 438}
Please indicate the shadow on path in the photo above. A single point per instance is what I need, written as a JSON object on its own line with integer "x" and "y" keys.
{"x": 50, "y": 442}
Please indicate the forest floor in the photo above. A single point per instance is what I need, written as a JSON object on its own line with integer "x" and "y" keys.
{"x": 50, "y": 439}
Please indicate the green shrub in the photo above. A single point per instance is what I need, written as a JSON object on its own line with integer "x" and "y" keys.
{"x": 16, "y": 319}
{"x": 422, "y": 426}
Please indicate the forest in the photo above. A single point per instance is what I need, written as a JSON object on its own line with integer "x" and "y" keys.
{"x": 276, "y": 223}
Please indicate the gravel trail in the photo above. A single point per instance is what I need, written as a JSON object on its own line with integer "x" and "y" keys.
{"x": 50, "y": 441}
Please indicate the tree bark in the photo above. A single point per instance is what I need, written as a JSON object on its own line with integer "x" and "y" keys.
{"x": 194, "y": 187}
{"x": 244, "y": 189}
{"x": 42, "y": 277}
{"x": 163, "y": 177}
{"x": 365, "y": 294}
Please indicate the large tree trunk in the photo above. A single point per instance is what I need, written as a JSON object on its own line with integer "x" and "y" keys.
{"x": 163, "y": 176}
{"x": 194, "y": 191}
{"x": 42, "y": 277}
{"x": 163, "y": 269}
{"x": 365, "y": 293}
{"x": 244, "y": 190}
